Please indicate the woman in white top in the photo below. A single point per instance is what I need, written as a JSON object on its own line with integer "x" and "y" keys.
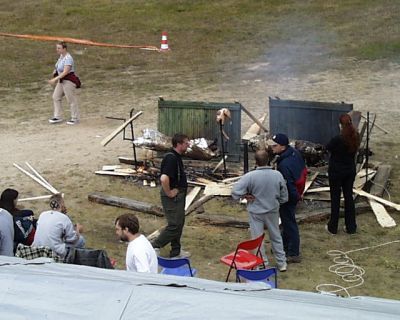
{"x": 66, "y": 83}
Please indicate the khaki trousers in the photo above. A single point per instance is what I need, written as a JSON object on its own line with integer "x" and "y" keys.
{"x": 67, "y": 89}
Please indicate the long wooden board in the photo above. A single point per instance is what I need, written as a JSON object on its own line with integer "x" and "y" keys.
{"x": 254, "y": 118}
{"x": 382, "y": 216}
{"x": 377, "y": 189}
{"x": 254, "y": 129}
{"x": 378, "y": 199}
{"x": 191, "y": 196}
{"x": 113, "y": 134}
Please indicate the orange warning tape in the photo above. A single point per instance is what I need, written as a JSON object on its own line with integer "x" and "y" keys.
{"x": 78, "y": 41}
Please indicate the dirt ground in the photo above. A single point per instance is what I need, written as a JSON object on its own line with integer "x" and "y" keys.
{"x": 68, "y": 155}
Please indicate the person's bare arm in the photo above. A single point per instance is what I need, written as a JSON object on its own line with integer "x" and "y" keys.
{"x": 171, "y": 193}
{"x": 66, "y": 70}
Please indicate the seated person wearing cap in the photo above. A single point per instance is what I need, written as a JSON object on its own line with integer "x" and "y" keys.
{"x": 291, "y": 165}
{"x": 55, "y": 229}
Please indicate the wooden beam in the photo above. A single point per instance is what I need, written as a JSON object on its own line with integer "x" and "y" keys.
{"x": 379, "y": 127}
{"x": 310, "y": 181}
{"x": 115, "y": 173}
{"x": 127, "y": 203}
{"x": 219, "y": 163}
{"x": 199, "y": 203}
{"x": 222, "y": 221}
{"x": 254, "y": 129}
{"x": 218, "y": 189}
{"x": 191, "y": 196}
{"x": 41, "y": 178}
{"x": 113, "y": 134}
{"x": 35, "y": 198}
{"x": 253, "y": 118}
{"x": 44, "y": 185}
{"x": 378, "y": 199}
{"x": 378, "y": 189}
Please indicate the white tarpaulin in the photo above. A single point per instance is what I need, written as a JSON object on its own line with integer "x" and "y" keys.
{"x": 41, "y": 289}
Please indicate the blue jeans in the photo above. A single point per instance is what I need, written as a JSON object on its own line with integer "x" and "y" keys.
{"x": 290, "y": 230}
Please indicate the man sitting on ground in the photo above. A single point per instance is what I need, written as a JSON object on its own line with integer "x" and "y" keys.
{"x": 55, "y": 229}
{"x": 140, "y": 254}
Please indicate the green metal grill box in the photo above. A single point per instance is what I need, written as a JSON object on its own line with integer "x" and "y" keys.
{"x": 198, "y": 120}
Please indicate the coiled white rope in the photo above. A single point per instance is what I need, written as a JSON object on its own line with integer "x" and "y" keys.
{"x": 347, "y": 270}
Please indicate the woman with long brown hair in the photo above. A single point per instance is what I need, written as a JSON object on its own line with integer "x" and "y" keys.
{"x": 342, "y": 172}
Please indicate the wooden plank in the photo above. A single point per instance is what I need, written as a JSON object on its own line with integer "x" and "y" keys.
{"x": 126, "y": 170}
{"x": 378, "y": 199}
{"x": 382, "y": 216}
{"x": 113, "y": 134}
{"x": 379, "y": 127}
{"x": 218, "y": 189}
{"x": 360, "y": 179}
{"x": 310, "y": 181}
{"x": 191, "y": 208}
{"x": 127, "y": 203}
{"x": 377, "y": 189}
{"x": 253, "y": 118}
{"x": 44, "y": 185}
{"x": 320, "y": 189}
{"x": 191, "y": 196}
{"x": 110, "y": 167}
{"x": 198, "y": 203}
{"x": 222, "y": 221}
{"x": 36, "y": 198}
{"x": 41, "y": 177}
{"x": 114, "y": 173}
{"x": 254, "y": 129}
{"x": 219, "y": 164}
{"x": 380, "y": 180}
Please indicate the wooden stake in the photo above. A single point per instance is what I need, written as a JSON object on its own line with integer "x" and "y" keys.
{"x": 113, "y": 134}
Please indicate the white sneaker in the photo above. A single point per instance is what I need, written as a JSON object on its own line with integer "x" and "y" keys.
{"x": 55, "y": 120}
{"x": 283, "y": 268}
{"x": 72, "y": 122}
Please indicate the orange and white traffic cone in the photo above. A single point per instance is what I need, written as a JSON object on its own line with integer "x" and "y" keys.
{"x": 164, "y": 42}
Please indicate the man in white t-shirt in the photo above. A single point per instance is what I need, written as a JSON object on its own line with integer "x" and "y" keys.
{"x": 55, "y": 229}
{"x": 140, "y": 254}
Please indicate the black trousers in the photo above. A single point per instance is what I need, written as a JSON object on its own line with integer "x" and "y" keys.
{"x": 174, "y": 210}
{"x": 337, "y": 184}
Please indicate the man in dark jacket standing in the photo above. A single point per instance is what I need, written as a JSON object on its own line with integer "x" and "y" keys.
{"x": 173, "y": 195}
{"x": 291, "y": 165}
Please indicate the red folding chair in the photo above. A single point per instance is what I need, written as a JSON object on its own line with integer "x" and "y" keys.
{"x": 242, "y": 258}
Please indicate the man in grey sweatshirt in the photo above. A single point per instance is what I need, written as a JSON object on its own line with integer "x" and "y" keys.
{"x": 264, "y": 189}
{"x": 6, "y": 233}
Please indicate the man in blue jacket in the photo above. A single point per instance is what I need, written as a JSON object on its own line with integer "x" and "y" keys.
{"x": 291, "y": 165}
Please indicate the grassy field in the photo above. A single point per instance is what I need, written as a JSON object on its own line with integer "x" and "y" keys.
{"x": 213, "y": 44}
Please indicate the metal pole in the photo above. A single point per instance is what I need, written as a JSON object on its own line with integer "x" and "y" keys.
{"x": 246, "y": 156}
{"x": 133, "y": 138}
{"x": 222, "y": 146}
{"x": 367, "y": 150}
